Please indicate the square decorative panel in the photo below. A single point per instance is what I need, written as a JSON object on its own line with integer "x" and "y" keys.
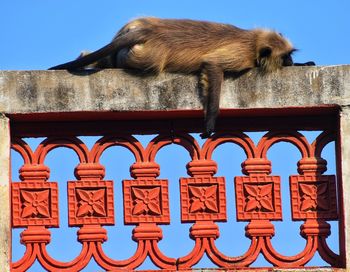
{"x": 34, "y": 203}
{"x": 90, "y": 202}
{"x": 313, "y": 197}
{"x": 203, "y": 198}
{"x": 146, "y": 200}
{"x": 258, "y": 197}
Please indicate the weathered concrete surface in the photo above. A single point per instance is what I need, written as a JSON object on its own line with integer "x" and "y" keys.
{"x": 117, "y": 90}
{"x": 5, "y": 231}
{"x": 345, "y": 165}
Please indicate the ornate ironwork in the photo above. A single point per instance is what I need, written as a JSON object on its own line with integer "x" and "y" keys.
{"x": 203, "y": 201}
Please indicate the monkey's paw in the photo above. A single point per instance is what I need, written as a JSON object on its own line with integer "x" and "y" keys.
{"x": 310, "y": 63}
{"x": 206, "y": 134}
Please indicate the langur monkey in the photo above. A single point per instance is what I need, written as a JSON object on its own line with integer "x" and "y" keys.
{"x": 188, "y": 46}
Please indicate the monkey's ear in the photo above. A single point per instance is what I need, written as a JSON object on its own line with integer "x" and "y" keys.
{"x": 265, "y": 52}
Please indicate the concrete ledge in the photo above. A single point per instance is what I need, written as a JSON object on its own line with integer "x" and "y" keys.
{"x": 23, "y": 92}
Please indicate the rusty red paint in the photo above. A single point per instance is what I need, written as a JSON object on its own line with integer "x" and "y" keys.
{"x": 258, "y": 197}
{"x": 146, "y": 201}
{"x": 313, "y": 197}
{"x": 34, "y": 203}
{"x": 90, "y": 202}
{"x": 203, "y": 198}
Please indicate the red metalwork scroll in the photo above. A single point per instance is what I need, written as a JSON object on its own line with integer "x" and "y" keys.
{"x": 146, "y": 201}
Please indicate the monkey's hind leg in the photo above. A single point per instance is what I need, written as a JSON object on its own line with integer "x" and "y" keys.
{"x": 211, "y": 80}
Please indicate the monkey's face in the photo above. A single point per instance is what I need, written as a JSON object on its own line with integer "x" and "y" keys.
{"x": 287, "y": 59}
{"x": 274, "y": 51}
{"x": 269, "y": 62}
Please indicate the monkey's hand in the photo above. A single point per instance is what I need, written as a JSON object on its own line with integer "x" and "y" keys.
{"x": 206, "y": 134}
{"x": 309, "y": 63}
{"x": 209, "y": 128}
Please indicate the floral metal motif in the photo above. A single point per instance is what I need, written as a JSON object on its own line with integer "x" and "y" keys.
{"x": 258, "y": 197}
{"x": 313, "y": 197}
{"x": 35, "y": 203}
{"x": 146, "y": 201}
{"x": 91, "y": 203}
{"x": 203, "y": 198}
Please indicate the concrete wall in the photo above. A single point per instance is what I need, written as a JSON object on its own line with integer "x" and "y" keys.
{"x": 5, "y": 230}
{"x": 117, "y": 90}
{"x": 345, "y": 166}
{"x": 32, "y": 92}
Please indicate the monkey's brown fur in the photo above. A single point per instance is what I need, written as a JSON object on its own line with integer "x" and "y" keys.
{"x": 188, "y": 46}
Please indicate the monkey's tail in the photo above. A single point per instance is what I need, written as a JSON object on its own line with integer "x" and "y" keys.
{"x": 128, "y": 39}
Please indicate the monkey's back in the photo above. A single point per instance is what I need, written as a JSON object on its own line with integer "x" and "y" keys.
{"x": 182, "y": 45}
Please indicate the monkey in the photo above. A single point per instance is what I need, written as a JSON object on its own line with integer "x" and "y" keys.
{"x": 188, "y": 46}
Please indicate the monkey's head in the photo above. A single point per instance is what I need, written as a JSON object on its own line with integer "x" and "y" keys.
{"x": 273, "y": 51}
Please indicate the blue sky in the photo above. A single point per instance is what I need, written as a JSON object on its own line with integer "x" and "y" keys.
{"x": 39, "y": 34}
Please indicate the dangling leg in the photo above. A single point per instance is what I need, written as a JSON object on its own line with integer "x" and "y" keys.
{"x": 211, "y": 80}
